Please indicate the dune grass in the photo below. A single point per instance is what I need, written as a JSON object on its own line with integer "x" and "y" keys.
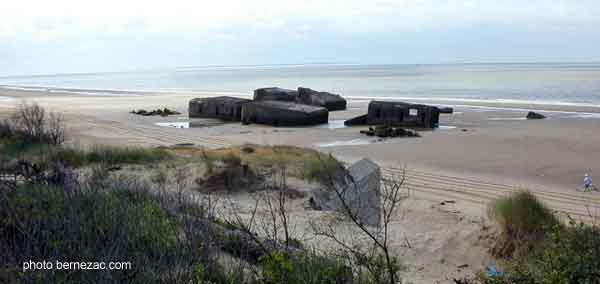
{"x": 537, "y": 248}
{"x": 300, "y": 162}
{"x": 108, "y": 155}
{"x": 523, "y": 221}
{"x": 76, "y": 157}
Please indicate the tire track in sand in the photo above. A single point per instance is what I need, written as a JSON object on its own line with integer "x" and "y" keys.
{"x": 576, "y": 204}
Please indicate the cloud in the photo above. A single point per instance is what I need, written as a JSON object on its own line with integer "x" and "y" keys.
{"x": 65, "y": 18}
{"x": 112, "y": 35}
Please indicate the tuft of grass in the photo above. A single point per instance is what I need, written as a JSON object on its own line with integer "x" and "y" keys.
{"x": 14, "y": 148}
{"x": 523, "y": 221}
{"x": 320, "y": 168}
{"x": 308, "y": 267}
{"x": 47, "y": 154}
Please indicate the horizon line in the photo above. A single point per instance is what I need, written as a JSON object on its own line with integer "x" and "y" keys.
{"x": 324, "y": 63}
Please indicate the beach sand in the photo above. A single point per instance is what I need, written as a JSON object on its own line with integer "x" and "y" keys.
{"x": 480, "y": 153}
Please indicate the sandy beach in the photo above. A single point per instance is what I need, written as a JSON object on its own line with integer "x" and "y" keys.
{"x": 479, "y": 153}
{"x": 489, "y": 144}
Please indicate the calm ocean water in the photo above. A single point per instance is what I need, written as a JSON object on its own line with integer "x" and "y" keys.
{"x": 566, "y": 83}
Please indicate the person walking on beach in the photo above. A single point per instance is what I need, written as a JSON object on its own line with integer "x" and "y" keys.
{"x": 587, "y": 183}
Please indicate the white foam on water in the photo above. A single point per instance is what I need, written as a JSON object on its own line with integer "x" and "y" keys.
{"x": 353, "y": 142}
{"x": 584, "y": 115}
{"x": 506, "y": 118}
{"x": 446, "y": 127}
{"x": 333, "y": 124}
{"x": 178, "y": 124}
{"x": 467, "y": 100}
{"x": 4, "y": 99}
{"x": 24, "y": 88}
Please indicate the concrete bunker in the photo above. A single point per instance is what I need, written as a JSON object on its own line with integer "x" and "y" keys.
{"x": 275, "y": 94}
{"x": 327, "y": 100}
{"x": 279, "y": 113}
{"x": 399, "y": 114}
{"x": 359, "y": 187}
{"x": 225, "y": 108}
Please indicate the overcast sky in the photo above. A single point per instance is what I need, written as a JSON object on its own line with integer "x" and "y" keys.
{"x": 38, "y": 37}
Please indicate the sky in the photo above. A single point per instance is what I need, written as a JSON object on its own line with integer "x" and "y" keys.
{"x": 71, "y": 36}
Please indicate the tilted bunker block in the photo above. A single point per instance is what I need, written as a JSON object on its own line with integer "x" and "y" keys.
{"x": 327, "y": 100}
{"x": 403, "y": 114}
{"x": 359, "y": 190}
{"x": 275, "y": 94}
{"x": 225, "y": 108}
{"x": 278, "y": 113}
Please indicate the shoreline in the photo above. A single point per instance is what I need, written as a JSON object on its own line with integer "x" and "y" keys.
{"x": 17, "y": 91}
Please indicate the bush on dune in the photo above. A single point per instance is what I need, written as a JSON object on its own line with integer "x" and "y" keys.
{"x": 33, "y": 134}
{"x": 31, "y": 124}
{"x": 115, "y": 220}
{"x": 543, "y": 250}
{"x": 523, "y": 222}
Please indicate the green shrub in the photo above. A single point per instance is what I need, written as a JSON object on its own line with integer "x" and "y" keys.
{"x": 320, "y": 168}
{"x": 118, "y": 221}
{"x": 570, "y": 255}
{"x": 307, "y": 268}
{"x": 16, "y": 148}
{"x": 523, "y": 221}
{"x": 32, "y": 124}
{"x": 106, "y": 155}
{"x": 47, "y": 154}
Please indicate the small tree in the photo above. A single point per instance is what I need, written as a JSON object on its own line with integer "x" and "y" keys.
{"x": 31, "y": 119}
{"x": 56, "y": 130}
{"x": 32, "y": 124}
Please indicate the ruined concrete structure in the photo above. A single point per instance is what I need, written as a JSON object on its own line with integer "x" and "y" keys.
{"x": 359, "y": 188}
{"x": 280, "y": 113}
{"x": 327, "y": 100}
{"x": 225, "y": 108}
{"x": 275, "y": 94}
{"x": 307, "y": 96}
{"x": 274, "y": 106}
{"x": 399, "y": 114}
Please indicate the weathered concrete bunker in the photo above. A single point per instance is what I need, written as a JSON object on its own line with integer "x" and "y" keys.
{"x": 399, "y": 114}
{"x": 275, "y": 94}
{"x": 307, "y": 96}
{"x": 331, "y": 102}
{"x": 273, "y": 106}
{"x": 359, "y": 188}
{"x": 225, "y": 108}
{"x": 279, "y": 113}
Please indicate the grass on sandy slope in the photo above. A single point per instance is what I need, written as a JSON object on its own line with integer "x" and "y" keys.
{"x": 163, "y": 237}
{"x": 539, "y": 249}
{"x": 31, "y": 133}
{"x": 46, "y": 154}
{"x": 300, "y": 162}
{"x": 523, "y": 221}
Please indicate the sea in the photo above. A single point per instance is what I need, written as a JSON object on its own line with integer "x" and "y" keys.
{"x": 576, "y": 84}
